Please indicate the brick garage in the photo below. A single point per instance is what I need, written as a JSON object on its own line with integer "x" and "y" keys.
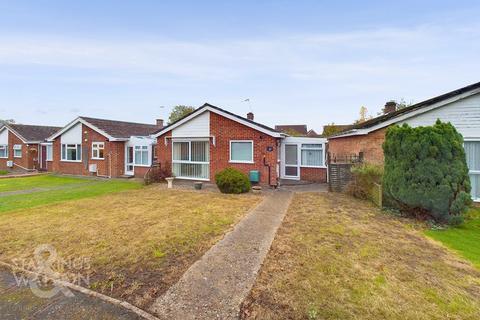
{"x": 369, "y": 144}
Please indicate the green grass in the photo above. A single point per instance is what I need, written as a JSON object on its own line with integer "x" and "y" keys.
{"x": 75, "y": 188}
{"x": 3, "y": 172}
{"x": 43, "y": 181}
{"x": 464, "y": 239}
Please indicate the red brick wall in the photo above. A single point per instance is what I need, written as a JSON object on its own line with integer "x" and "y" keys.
{"x": 114, "y": 153}
{"x": 29, "y": 159}
{"x": 313, "y": 174}
{"x": 225, "y": 130}
{"x": 370, "y": 145}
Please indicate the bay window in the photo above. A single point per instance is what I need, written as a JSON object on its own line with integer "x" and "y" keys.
{"x": 17, "y": 150}
{"x": 72, "y": 152}
{"x": 4, "y": 151}
{"x": 98, "y": 150}
{"x": 312, "y": 155}
{"x": 241, "y": 151}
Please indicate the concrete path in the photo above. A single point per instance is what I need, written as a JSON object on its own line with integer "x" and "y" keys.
{"x": 18, "y": 302}
{"x": 215, "y": 286}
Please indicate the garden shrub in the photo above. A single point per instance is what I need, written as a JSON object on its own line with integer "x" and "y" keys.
{"x": 426, "y": 173}
{"x": 365, "y": 176}
{"x": 231, "y": 180}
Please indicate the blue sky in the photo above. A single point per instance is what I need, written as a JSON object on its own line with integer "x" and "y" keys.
{"x": 312, "y": 62}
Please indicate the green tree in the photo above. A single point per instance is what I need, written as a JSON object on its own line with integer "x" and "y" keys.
{"x": 6, "y": 121}
{"x": 426, "y": 173}
{"x": 179, "y": 112}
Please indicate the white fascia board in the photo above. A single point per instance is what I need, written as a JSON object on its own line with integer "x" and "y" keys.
{"x": 223, "y": 114}
{"x": 19, "y": 136}
{"x": 408, "y": 115}
{"x": 91, "y": 126}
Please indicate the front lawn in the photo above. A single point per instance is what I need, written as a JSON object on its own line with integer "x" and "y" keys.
{"x": 35, "y": 182}
{"x": 463, "y": 239}
{"x": 336, "y": 257}
{"x": 28, "y": 192}
{"x": 138, "y": 242}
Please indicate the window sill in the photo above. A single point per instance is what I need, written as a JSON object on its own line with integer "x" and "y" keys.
{"x": 3, "y": 157}
{"x": 142, "y": 165}
{"x": 242, "y": 162}
{"x": 97, "y": 158}
{"x": 314, "y": 167}
{"x": 75, "y": 161}
{"x": 17, "y": 157}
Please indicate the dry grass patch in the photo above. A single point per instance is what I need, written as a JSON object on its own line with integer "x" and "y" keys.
{"x": 138, "y": 242}
{"x": 336, "y": 257}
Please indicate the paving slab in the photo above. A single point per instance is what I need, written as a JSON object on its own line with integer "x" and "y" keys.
{"x": 18, "y": 302}
{"x": 215, "y": 286}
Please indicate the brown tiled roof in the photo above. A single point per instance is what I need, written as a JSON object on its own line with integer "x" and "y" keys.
{"x": 33, "y": 133}
{"x": 122, "y": 129}
{"x": 301, "y": 129}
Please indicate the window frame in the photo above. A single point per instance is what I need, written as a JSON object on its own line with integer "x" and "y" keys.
{"x": 242, "y": 161}
{"x": 147, "y": 149}
{"x": 321, "y": 148}
{"x": 96, "y": 147}
{"x": 49, "y": 155}
{"x": 66, "y": 148}
{"x": 5, "y": 147}
{"x": 16, "y": 148}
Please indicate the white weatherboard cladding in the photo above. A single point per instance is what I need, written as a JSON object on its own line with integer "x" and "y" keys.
{"x": 197, "y": 127}
{"x": 463, "y": 114}
{"x": 4, "y": 136}
{"x": 73, "y": 135}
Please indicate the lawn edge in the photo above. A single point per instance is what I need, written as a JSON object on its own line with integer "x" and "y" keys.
{"x": 140, "y": 312}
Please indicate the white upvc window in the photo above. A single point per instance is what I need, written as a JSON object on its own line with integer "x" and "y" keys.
{"x": 49, "y": 152}
{"x": 141, "y": 156}
{"x": 98, "y": 150}
{"x": 190, "y": 159}
{"x": 17, "y": 150}
{"x": 241, "y": 151}
{"x": 4, "y": 151}
{"x": 472, "y": 153}
{"x": 312, "y": 155}
{"x": 72, "y": 152}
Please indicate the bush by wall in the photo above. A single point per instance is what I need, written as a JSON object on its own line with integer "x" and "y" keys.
{"x": 426, "y": 173}
{"x": 231, "y": 180}
{"x": 365, "y": 178}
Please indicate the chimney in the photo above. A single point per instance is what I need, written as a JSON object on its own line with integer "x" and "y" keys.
{"x": 390, "y": 106}
{"x": 250, "y": 116}
{"x": 160, "y": 123}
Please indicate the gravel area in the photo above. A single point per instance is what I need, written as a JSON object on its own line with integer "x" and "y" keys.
{"x": 215, "y": 286}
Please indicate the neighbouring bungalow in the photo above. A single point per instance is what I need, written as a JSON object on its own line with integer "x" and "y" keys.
{"x": 460, "y": 107}
{"x": 104, "y": 148}
{"x": 25, "y": 147}
{"x": 211, "y": 139}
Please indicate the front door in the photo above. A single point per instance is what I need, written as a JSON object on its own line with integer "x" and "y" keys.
{"x": 43, "y": 158}
{"x": 291, "y": 169}
{"x": 129, "y": 164}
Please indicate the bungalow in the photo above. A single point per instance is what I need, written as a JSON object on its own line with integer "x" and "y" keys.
{"x": 104, "y": 148}
{"x": 211, "y": 139}
{"x": 24, "y": 147}
{"x": 460, "y": 107}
